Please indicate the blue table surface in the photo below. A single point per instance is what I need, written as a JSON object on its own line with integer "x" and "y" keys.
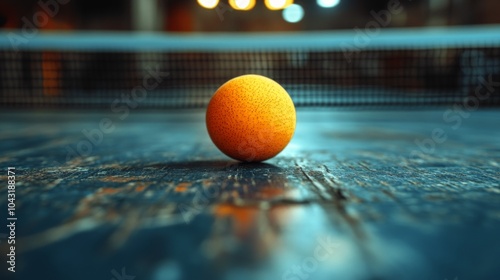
{"x": 355, "y": 195}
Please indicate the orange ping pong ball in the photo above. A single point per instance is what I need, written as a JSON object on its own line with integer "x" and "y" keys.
{"x": 251, "y": 118}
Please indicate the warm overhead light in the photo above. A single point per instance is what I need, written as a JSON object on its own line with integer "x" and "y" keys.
{"x": 242, "y": 5}
{"x": 328, "y": 3}
{"x": 278, "y": 4}
{"x": 293, "y": 13}
{"x": 208, "y": 4}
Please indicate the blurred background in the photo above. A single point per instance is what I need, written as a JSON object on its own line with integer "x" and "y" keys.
{"x": 324, "y": 52}
{"x": 246, "y": 15}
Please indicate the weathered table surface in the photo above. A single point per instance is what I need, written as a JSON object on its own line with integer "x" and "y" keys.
{"x": 356, "y": 195}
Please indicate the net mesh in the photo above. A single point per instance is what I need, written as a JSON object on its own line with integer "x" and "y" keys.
{"x": 186, "y": 77}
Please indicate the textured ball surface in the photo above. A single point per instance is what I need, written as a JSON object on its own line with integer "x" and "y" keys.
{"x": 251, "y": 118}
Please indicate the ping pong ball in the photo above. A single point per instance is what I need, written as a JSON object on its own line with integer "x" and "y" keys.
{"x": 251, "y": 118}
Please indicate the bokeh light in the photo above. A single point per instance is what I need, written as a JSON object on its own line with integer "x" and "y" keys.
{"x": 293, "y": 13}
{"x": 278, "y": 4}
{"x": 208, "y": 4}
{"x": 328, "y": 3}
{"x": 242, "y": 5}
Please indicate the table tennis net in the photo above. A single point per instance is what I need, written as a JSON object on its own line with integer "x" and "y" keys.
{"x": 329, "y": 69}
